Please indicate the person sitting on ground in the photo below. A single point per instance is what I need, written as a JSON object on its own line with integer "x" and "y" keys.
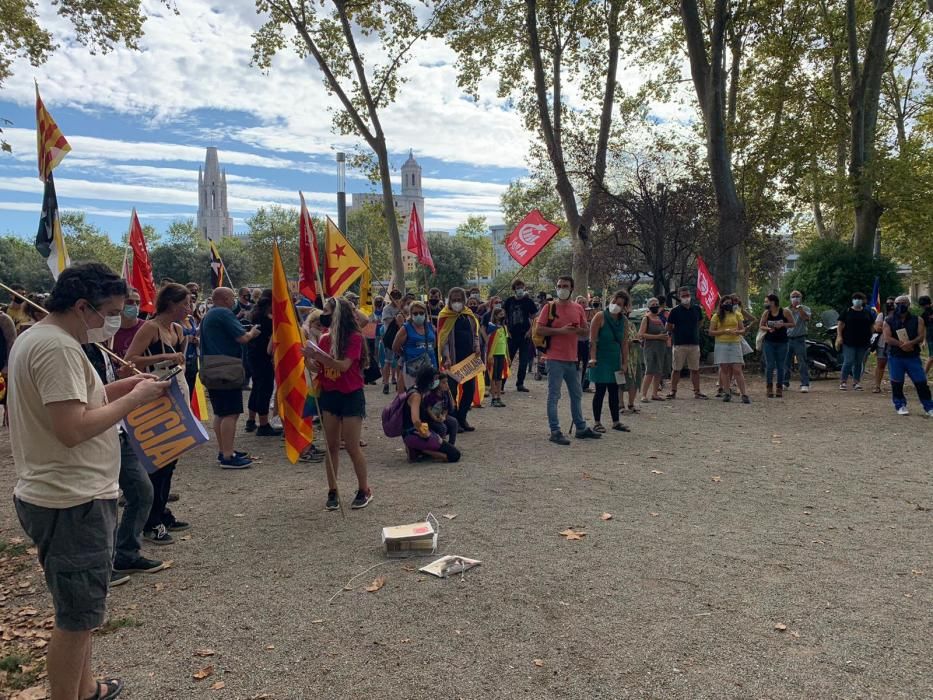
{"x": 497, "y": 353}
{"x": 415, "y": 345}
{"x": 903, "y": 335}
{"x": 608, "y": 355}
{"x": 420, "y": 441}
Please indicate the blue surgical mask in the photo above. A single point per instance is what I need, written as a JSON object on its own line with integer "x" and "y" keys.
{"x": 436, "y": 383}
{"x": 131, "y": 311}
{"x": 417, "y": 318}
{"x": 857, "y": 303}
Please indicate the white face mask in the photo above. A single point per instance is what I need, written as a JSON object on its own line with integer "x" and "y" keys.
{"x": 105, "y": 332}
{"x": 457, "y": 306}
{"x": 615, "y": 309}
{"x": 563, "y": 294}
{"x": 519, "y": 292}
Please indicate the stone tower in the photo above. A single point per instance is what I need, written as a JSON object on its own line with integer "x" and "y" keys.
{"x": 411, "y": 177}
{"x": 214, "y": 221}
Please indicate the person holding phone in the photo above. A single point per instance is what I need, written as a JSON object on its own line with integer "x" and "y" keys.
{"x": 727, "y": 327}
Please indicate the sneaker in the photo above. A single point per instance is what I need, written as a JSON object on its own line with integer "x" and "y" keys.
{"x": 333, "y": 503}
{"x": 700, "y": 395}
{"x": 268, "y": 431}
{"x": 312, "y": 455}
{"x": 235, "y": 462}
{"x": 362, "y": 499}
{"x": 719, "y": 392}
{"x": 588, "y": 433}
{"x": 726, "y": 398}
{"x": 745, "y": 399}
{"x": 220, "y": 458}
{"x": 385, "y": 389}
{"x": 521, "y": 390}
{"x": 250, "y": 426}
{"x": 804, "y": 388}
{"x": 172, "y": 497}
{"x": 902, "y": 411}
{"x": 929, "y": 414}
{"x": 500, "y": 404}
{"x": 559, "y": 438}
{"x": 843, "y": 387}
{"x": 857, "y": 387}
{"x": 158, "y": 536}
{"x": 177, "y": 526}
{"x": 139, "y": 565}
{"x": 117, "y": 579}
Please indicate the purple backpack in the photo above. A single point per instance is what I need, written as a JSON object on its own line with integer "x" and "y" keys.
{"x": 393, "y": 416}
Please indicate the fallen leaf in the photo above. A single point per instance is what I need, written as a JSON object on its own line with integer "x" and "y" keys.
{"x": 450, "y": 516}
{"x": 204, "y": 652}
{"x": 571, "y": 534}
{"x": 185, "y": 538}
{"x": 378, "y": 583}
{"x": 780, "y": 627}
{"x": 36, "y": 692}
{"x": 656, "y": 471}
{"x": 654, "y": 515}
{"x": 586, "y": 476}
{"x": 538, "y": 662}
{"x": 239, "y": 515}
{"x": 160, "y": 586}
{"x": 218, "y": 685}
{"x": 205, "y": 672}
{"x": 168, "y": 564}
{"x": 717, "y": 479}
{"x": 795, "y": 634}
{"x": 606, "y": 516}
{"x": 270, "y": 647}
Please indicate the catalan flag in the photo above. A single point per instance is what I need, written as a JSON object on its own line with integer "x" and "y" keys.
{"x": 308, "y": 263}
{"x": 51, "y": 143}
{"x": 342, "y": 265}
{"x": 218, "y": 270}
{"x": 199, "y": 405}
{"x": 49, "y": 239}
{"x": 290, "y": 381}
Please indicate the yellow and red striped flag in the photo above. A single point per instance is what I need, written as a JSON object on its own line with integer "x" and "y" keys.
{"x": 342, "y": 265}
{"x": 199, "y": 406}
{"x": 50, "y": 141}
{"x": 291, "y": 385}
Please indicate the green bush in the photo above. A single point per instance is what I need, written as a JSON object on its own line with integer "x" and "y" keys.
{"x": 829, "y": 272}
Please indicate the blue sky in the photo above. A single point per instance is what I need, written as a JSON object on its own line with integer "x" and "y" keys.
{"x": 139, "y": 122}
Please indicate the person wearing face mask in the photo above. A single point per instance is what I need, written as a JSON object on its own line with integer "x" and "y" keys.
{"x": 435, "y": 304}
{"x": 881, "y": 350}
{"x": 853, "y": 337}
{"x": 797, "y": 342}
{"x": 457, "y": 339}
{"x": 519, "y": 312}
{"x": 130, "y": 323}
{"x": 903, "y": 335}
{"x": 608, "y": 355}
{"x": 683, "y": 326}
{"x": 66, "y": 452}
{"x": 727, "y": 327}
{"x": 653, "y": 335}
{"x": 562, "y": 322}
{"x": 391, "y": 322}
{"x": 421, "y": 440}
{"x": 222, "y": 339}
{"x": 496, "y": 337}
{"x": 774, "y": 322}
{"x": 415, "y": 345}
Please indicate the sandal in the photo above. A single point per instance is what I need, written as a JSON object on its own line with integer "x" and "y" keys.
{"x": 113, "y": 687}
{"x": 671, "y": 396}
{"x": 656, "y": 398}
{"x": 876, "y": 390}
{"x": 645, "y": 399}
{"x": 598, "y": 428}
{"x": 620, "y": 427}
{"x": 633, "y": 409}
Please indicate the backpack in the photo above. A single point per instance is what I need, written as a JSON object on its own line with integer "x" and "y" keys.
{"x": 388, "y": 336}
{"x": 393, "y": 416}
{"x": 540, "y": 341}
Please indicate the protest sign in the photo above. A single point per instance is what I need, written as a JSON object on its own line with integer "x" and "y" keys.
{"x": 467, "y": 369}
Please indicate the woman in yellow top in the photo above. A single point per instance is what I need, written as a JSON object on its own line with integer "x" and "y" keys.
{"x": 727, "y": 328}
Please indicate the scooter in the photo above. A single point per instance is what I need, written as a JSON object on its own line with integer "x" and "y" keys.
{"x": 822, "y": 356}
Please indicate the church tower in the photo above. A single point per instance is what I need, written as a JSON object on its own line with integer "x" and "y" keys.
{"x": 214, "y": 221}
{"x": 411, "y": 177}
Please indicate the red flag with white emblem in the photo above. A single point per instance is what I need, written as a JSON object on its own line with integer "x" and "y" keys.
{"x": 529, "y": 237}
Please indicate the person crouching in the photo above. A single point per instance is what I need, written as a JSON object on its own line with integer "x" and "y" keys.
{"x": 420, "y": 440}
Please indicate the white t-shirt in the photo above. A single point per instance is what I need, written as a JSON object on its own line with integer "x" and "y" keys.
{"x": 47, "y": 365}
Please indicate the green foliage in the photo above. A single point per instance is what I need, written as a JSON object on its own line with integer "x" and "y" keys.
{"x": 454, "y": 260}
{"x": 829, "y": 272}
{"x": 475, "y": 233}
{"x": 266, "y": 226}
{"x": 366, "y": 226}
{"x": 20, "y": 263}
{"x": 86, "y": 242}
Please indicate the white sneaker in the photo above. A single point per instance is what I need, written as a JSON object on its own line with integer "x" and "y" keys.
{"x": 902, "y": 411}
{"x": 805, "y": 389}
{"x": 929, "y": 413}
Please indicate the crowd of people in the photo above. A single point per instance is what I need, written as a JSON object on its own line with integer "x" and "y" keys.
{"x": 79, "y": 360}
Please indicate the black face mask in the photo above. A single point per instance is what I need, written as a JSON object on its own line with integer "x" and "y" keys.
{"x": 889, "y": 306}
{"x": 654, "y": 309}
{"x": 727, "y": 307}
{"x": 325, "y": 319}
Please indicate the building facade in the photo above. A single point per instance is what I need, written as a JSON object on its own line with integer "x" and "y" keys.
{"x": 214, "y": 220}
{"x": 503, "y": 261}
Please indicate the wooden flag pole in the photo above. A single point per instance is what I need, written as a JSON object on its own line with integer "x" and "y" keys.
{"x": 113, "y": 355}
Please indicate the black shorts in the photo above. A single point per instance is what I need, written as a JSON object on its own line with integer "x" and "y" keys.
{"x": 498, "y": 365}
{"x": 76, "y": 553}
{"x": 352, "y": 405}
{"x": 226, "y": 402}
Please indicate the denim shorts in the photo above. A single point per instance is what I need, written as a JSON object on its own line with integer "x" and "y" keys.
{"x": 76, "y": 553}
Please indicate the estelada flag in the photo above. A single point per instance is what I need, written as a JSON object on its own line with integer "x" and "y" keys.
{"x": 218, "y": 271}
{"x": 529, "y": 237}
{"x": 289, "y": 361}
{"x": 342, "y": 265}
{"x": 417, "y": 242}
{"x": 49, "y": 239}
{"x": 50, "y": 141}
{"x": 707, "y": 291}
{"x": 141, "y": 271}
{"x": 308, "y": 263}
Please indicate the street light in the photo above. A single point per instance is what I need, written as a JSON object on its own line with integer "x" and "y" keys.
{"x": 342, "y": 191}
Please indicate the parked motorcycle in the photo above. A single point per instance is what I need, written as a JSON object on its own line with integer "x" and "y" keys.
{"x": 822, "y": 356}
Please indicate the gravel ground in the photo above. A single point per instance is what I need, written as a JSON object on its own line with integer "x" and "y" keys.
{"x": 729, "y": 522}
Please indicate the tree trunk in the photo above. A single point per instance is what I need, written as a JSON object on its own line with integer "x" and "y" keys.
{"x": 388, "y": 213}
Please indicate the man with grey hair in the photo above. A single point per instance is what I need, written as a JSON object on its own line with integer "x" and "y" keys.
{"x": 903, "y": 335}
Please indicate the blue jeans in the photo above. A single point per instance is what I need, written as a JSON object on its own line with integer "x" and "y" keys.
{"x": 912, "y": 367}
{"x": 559, "y": 372}
{"x": 775, "y": 360}
{"x": 797, "y": 347}
{"x": 853, "y": 360}
{"x": 137, "y": 490}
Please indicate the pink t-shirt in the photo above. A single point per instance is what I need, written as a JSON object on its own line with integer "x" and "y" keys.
{"x": 351, "y": 380}
{"x": 563, "y": 347}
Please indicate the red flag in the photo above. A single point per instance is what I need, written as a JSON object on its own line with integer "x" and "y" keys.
{"x": 529, "y": 237}
{"x": 308, "y": 263}
{"x": 417, "y": 243}
{"x": 141, "y": 274}
{"x": 707, "y": 291}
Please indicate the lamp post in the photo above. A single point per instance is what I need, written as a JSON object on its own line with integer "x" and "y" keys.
{"x": 342, "y": 191}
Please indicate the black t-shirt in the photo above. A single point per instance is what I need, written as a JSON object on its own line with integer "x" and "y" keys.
{"x": 463, "y": 338}
{"x": 686, "y": 320}
{"x": 518, "y": 314}
{"x": 859, "y": 327}
{"x": 258, "y": 346}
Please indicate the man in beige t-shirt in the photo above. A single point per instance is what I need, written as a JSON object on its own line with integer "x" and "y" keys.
{"x": 67, "y": 457}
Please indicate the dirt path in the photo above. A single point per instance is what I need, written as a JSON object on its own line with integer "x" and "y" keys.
{"x": 778, "y": 550}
